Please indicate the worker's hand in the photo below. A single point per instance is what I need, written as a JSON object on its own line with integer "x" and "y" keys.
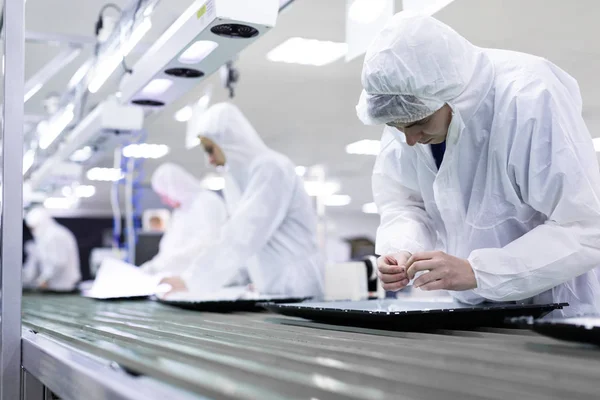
{"x": 43, "y": 285}
{"x": 446, "y": 272}
{"x": 391, "y": 270}
{"x": 177, "y": 284}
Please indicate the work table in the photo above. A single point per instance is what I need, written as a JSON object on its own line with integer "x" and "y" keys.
{"x": 267, "y": 356}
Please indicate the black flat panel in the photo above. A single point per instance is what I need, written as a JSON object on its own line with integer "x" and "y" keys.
{"x": 584, "y": 330}
{"x": 49, "y": 291}
{"x": 400, "y": 314}
{"x": 129, "y": 298}
{"x": 230, "y": 305}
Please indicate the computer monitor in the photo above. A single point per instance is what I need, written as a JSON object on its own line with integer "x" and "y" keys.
{"x": 146, "y": 247}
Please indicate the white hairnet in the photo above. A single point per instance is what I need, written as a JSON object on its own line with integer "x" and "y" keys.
{"x": 176, "y": 183}
{"x": 38, "y": 218}
{"x": 414, "y": 66}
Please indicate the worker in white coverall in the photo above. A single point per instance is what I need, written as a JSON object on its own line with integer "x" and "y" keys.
{"x": 195, "y": 224}
{"x": 487, "y": 180}
{"x": 53, "y": 259}
{"x": 272, "y": 229}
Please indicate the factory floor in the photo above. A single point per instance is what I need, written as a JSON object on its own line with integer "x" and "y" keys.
{"x": 267, "y": 356}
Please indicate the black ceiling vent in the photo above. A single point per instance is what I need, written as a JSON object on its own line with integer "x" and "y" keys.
{"x": 235, "y": 31}
{"x": 148, "y": 103}
{"x": 184, "y": 72}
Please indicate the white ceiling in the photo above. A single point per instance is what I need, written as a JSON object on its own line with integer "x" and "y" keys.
{"x": 308, "y": 112}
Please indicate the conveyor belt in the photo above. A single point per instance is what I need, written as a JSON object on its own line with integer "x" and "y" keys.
{"x": 266, "y": 356}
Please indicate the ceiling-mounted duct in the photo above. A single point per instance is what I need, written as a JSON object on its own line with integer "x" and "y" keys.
{"x": 207, "y": 35}
{"x": 107, "y": 120}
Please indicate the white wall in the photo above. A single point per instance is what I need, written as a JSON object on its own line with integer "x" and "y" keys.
{"x": 350, "y": 224}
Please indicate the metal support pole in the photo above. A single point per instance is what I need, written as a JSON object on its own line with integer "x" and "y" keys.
{"x": 129, "y": 211}
{"x": 11, "y": 217}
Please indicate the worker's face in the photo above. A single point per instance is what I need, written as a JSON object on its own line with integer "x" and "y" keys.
{"x": 429, "y": 130}
{"x": 169, "y": 201}
{"x": 156, "y": 224}
{"x": 216, "y": 157}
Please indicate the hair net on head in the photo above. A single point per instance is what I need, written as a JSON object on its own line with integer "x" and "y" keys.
{"x": 413, "y": 67}
{"x": 384, "y": 108}
{"x": 172, "y": 181}
{"x": 38, "y": 218}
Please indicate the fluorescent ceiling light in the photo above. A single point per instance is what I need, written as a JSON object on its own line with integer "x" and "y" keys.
{"x": 105, "y": 69}
{"x": 80, "y": 191}
{"x": 105, "y": 174}
{"x": 338, "y": 200}
{"x": 50, "y": 130}
{"x": 197, "y": 52}
{"x": 62, "y": 203}
{"x": 300, "y": 170}
{"x": 157, "y": 87}
{"x": 79, "y": 74}
{"x": 213, "y": 183}
{"x": 85, "y": 191}
{"x": 315, "y": 189}
{"x": 369, "y": 208}
{"x": 184, "y": 114}
{"x": 596, "y": 144}
{"x": 33, "y": 91}
{"x": 145, "y": 150}
{"x": 307, "y": 52}
{"x": 367, "y": 11}
{"x": 365, "y": 147}
{"x": 204, "y": 101}
{"x": 82, "y": 155}
{"x": 28, "y": 159}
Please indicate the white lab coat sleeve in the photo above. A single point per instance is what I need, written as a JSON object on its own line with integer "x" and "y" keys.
{"x": 555, "y": 171}
{"x": 54, "y": 258}
{"x": 405, "y": 224}
{"x": 30, "y": 269}
{"x": 262, "y": 207}
{"x": 207, "y": 216}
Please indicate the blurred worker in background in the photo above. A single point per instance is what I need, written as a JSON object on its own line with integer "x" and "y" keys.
{"x": 195, "y": 224}
{"x": 53, "y": 257}
{"x": 272, "y": 228}
{"x": 487, "y": 177}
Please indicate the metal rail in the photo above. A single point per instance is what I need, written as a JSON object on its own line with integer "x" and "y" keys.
{"x": 261, "y": 355}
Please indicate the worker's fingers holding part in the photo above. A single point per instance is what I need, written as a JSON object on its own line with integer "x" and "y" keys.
{"x": 391, "y": 269}
{"x": 424, "y": 255}
{"x": 428, "y": 277}
{"x": 391, "y": 278}
{"x": 435, "y": 285}
{"x": 394, "y": 287}
{"x": 424, "y": 265}
{"x": 387, "y": 260}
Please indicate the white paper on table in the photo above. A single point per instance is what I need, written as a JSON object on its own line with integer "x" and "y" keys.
{"x": 231, "y": 293}
{"x": 118, "y": 279}
{"x": 225, "y": 294}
